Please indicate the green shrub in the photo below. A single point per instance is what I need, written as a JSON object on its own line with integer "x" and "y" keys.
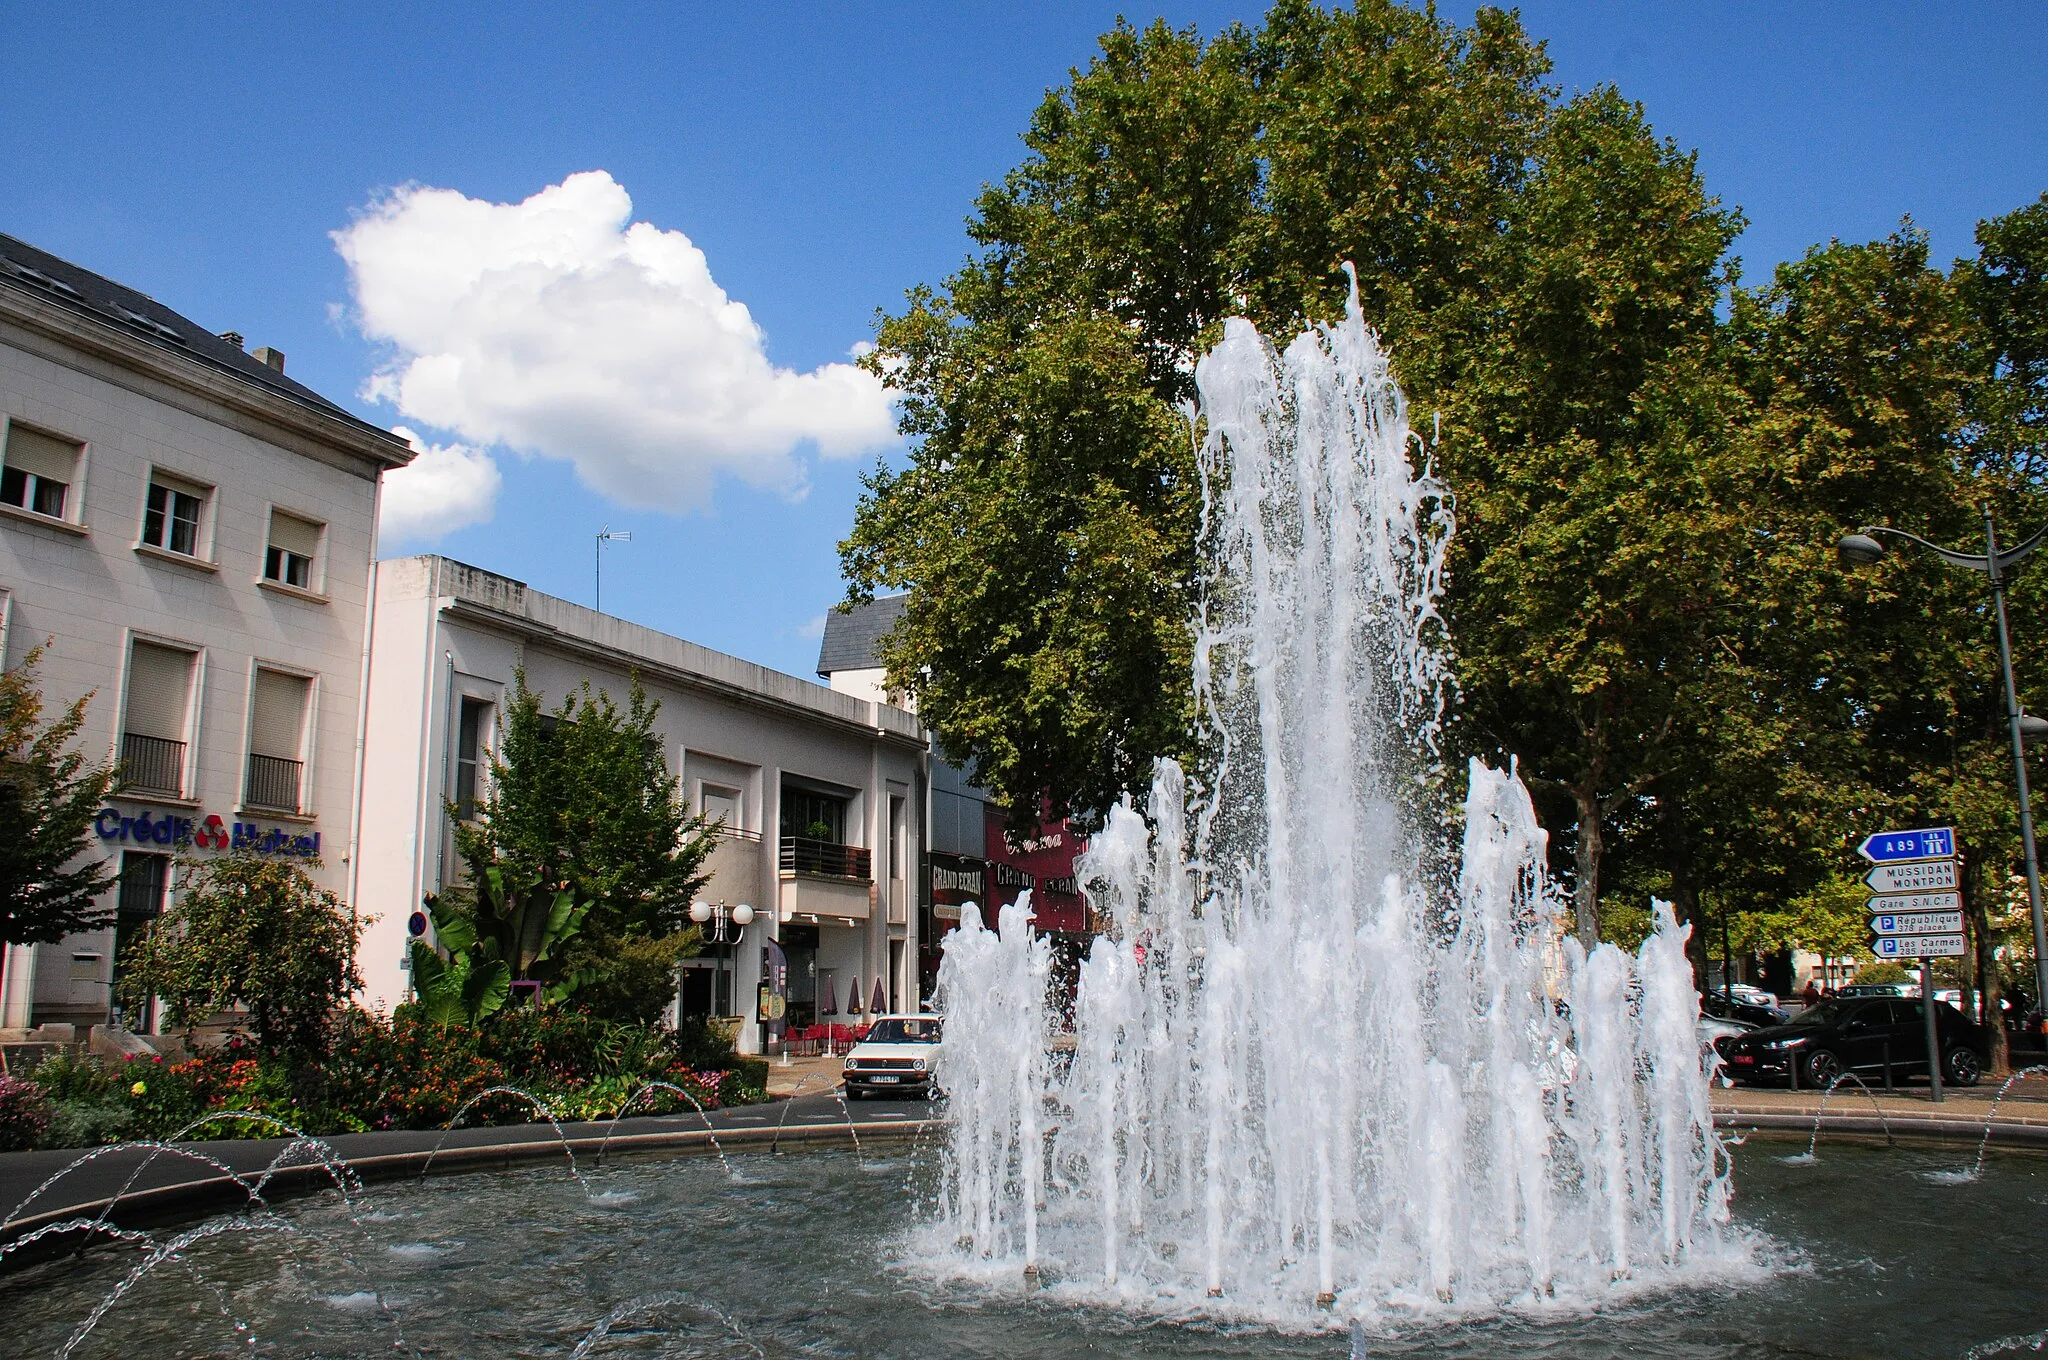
{"x": 402, "y": 1073}
{"x": 25, "y": 1114}
{"x": 746, "y": 1083}
{"x": 88, "y": 1121}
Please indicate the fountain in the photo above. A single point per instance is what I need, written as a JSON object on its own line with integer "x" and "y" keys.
{"x": 1332, "y": 1074}
{"x": 1320, "y": 1062}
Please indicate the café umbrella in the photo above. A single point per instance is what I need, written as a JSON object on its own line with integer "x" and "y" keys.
{"x": 853, "y": 996}
{"x": 881, "y": 1000}
{"x": 828, "y": 1004}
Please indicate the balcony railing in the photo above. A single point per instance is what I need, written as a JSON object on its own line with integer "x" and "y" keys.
{"x": 801, "y": 854}
{"x": 153, "y": 765}
{"x": 274, "y": 783}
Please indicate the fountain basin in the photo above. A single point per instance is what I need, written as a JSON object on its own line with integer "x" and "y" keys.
{"x": 131, "y": 1189}
{"x": 1862, "y": 1251}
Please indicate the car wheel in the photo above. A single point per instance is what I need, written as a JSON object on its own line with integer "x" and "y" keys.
{"x": 1963, "y": 1067}
{"x": 855, "y": 1093}
{"x": 1823, "y": 1069}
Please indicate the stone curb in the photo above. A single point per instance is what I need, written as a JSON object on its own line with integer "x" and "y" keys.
{"x": 194, "y": 1198}
{"x": 1918, "y": 1127}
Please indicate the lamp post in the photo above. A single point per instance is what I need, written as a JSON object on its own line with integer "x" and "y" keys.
{"x": 1862, "y": 549}
{"x": 726, "y": 926}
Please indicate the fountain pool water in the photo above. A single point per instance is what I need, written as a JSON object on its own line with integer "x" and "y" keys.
{"x": 809, "y": 1255}
{"x": 1320, "y": 1061}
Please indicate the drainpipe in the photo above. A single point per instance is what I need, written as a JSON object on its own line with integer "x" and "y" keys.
{"x": 355, "y": 816}
{"x": 447, "y": 735}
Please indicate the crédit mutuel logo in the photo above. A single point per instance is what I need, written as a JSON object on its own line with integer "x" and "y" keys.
{"x": 208, "y": 832}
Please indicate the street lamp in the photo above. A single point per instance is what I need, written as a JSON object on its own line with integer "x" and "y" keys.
{"x": 1861, "y": 549}
{"x": 727, "y": 926}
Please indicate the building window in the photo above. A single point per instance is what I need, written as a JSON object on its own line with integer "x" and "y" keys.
{"x": 36, "y": 471}
{"x": 469, "y": 755}
{"x": 145, "y": 879}
{"x": 813, "y": 816}
{"x": 722, "y": 805}
{"x": 153, "y": 728}
{"x": 277, "y": 728}
{"x": 145, "y": 882}
{"x": 171, "y": 521}
{"x": 294, "y": 543}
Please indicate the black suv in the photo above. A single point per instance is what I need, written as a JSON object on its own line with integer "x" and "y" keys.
{"x": 1859, "y": 1035}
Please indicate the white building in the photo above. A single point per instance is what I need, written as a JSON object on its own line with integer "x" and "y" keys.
{"x": 823, "y": 794}
{"x": 190, "y": 532}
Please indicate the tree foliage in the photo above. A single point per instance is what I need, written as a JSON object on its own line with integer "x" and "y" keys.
{"x": 1651, "y": 462}
{"x": 582, "y": 859}
{"x": 49, "y": 879}
{"x": 250, "y": 932}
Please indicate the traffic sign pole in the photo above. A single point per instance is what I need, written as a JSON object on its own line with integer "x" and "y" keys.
{"x": 1927, "y": 1004}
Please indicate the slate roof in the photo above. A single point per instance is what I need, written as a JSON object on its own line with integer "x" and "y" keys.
{"x": 45, "y": 276}
{"x": 853, "y": 636}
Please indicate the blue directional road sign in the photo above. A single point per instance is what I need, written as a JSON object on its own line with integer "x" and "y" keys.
{"x": 1917, "y": 946}
{"x": 1929, "y": 842}
{"x": 1917, "y": 923}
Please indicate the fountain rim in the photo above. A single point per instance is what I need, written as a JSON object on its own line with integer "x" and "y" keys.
{"x": 202, "y": 1196}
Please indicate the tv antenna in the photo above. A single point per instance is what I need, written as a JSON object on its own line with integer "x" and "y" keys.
{"x": 604, "y": 536}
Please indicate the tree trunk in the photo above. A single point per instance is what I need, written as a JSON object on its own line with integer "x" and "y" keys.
{"x": 1988, "y": 984}
{"x": 1586, "y": 855}
{"x": 1685, "y": 891}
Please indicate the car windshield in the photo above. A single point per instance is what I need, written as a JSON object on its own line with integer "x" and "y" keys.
{"x": 1826, "y": 1012}
{"x": 904, "y": 1032}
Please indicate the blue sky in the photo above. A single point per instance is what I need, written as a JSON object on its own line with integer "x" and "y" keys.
{"x": 823, "y": 159}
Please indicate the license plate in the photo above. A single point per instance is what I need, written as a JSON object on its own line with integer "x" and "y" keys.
{"x": 1743, "y": 1058}
{"x": 882, "y": 1079}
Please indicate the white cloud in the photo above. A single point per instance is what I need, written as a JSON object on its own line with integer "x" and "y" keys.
{"x": 446, "y": 487}
{"x": 812, "y": 628}
{"x": 560, "y": 327}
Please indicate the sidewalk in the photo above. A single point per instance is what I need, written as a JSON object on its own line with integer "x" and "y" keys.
{"x": 817, "y": 1075}
{"x": 2022, "y": 1115}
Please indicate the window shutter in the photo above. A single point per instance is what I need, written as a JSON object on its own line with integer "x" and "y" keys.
{"x": 40, "y": 455}
{"x": 159, "y": 683}
{"x": 280, "y": 715}
{"x": 294, "y": 534}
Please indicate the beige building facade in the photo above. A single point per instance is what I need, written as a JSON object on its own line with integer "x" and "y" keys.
{"x": 187, "y": 535}
{"x": 823, "y": 795}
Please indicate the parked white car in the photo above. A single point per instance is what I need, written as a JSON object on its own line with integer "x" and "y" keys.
{"x": 894, "y": 1058}
{"x": 1753, "y": 996}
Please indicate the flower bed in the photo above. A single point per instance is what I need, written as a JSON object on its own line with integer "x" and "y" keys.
{"x": 376, "y": 1073}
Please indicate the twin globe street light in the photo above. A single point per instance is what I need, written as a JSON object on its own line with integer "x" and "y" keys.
{"x": 1862, "y": 549}
{"x": 727, "y": 926}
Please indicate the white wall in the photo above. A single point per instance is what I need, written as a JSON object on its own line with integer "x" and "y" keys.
{"x": 85, "y": 595}
{"x": 722, "y": 720}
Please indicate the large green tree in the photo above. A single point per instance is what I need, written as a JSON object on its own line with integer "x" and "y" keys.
{"x": 582, "y": 815}
{"x": 1046, "y": 520}
{"x": 1587, "y": 446}
{"x": 1651, "y": 464}
{"x": 49, "y": 879}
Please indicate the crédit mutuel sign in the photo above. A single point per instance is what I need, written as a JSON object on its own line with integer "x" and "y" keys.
{"x": 208, "y": 832}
